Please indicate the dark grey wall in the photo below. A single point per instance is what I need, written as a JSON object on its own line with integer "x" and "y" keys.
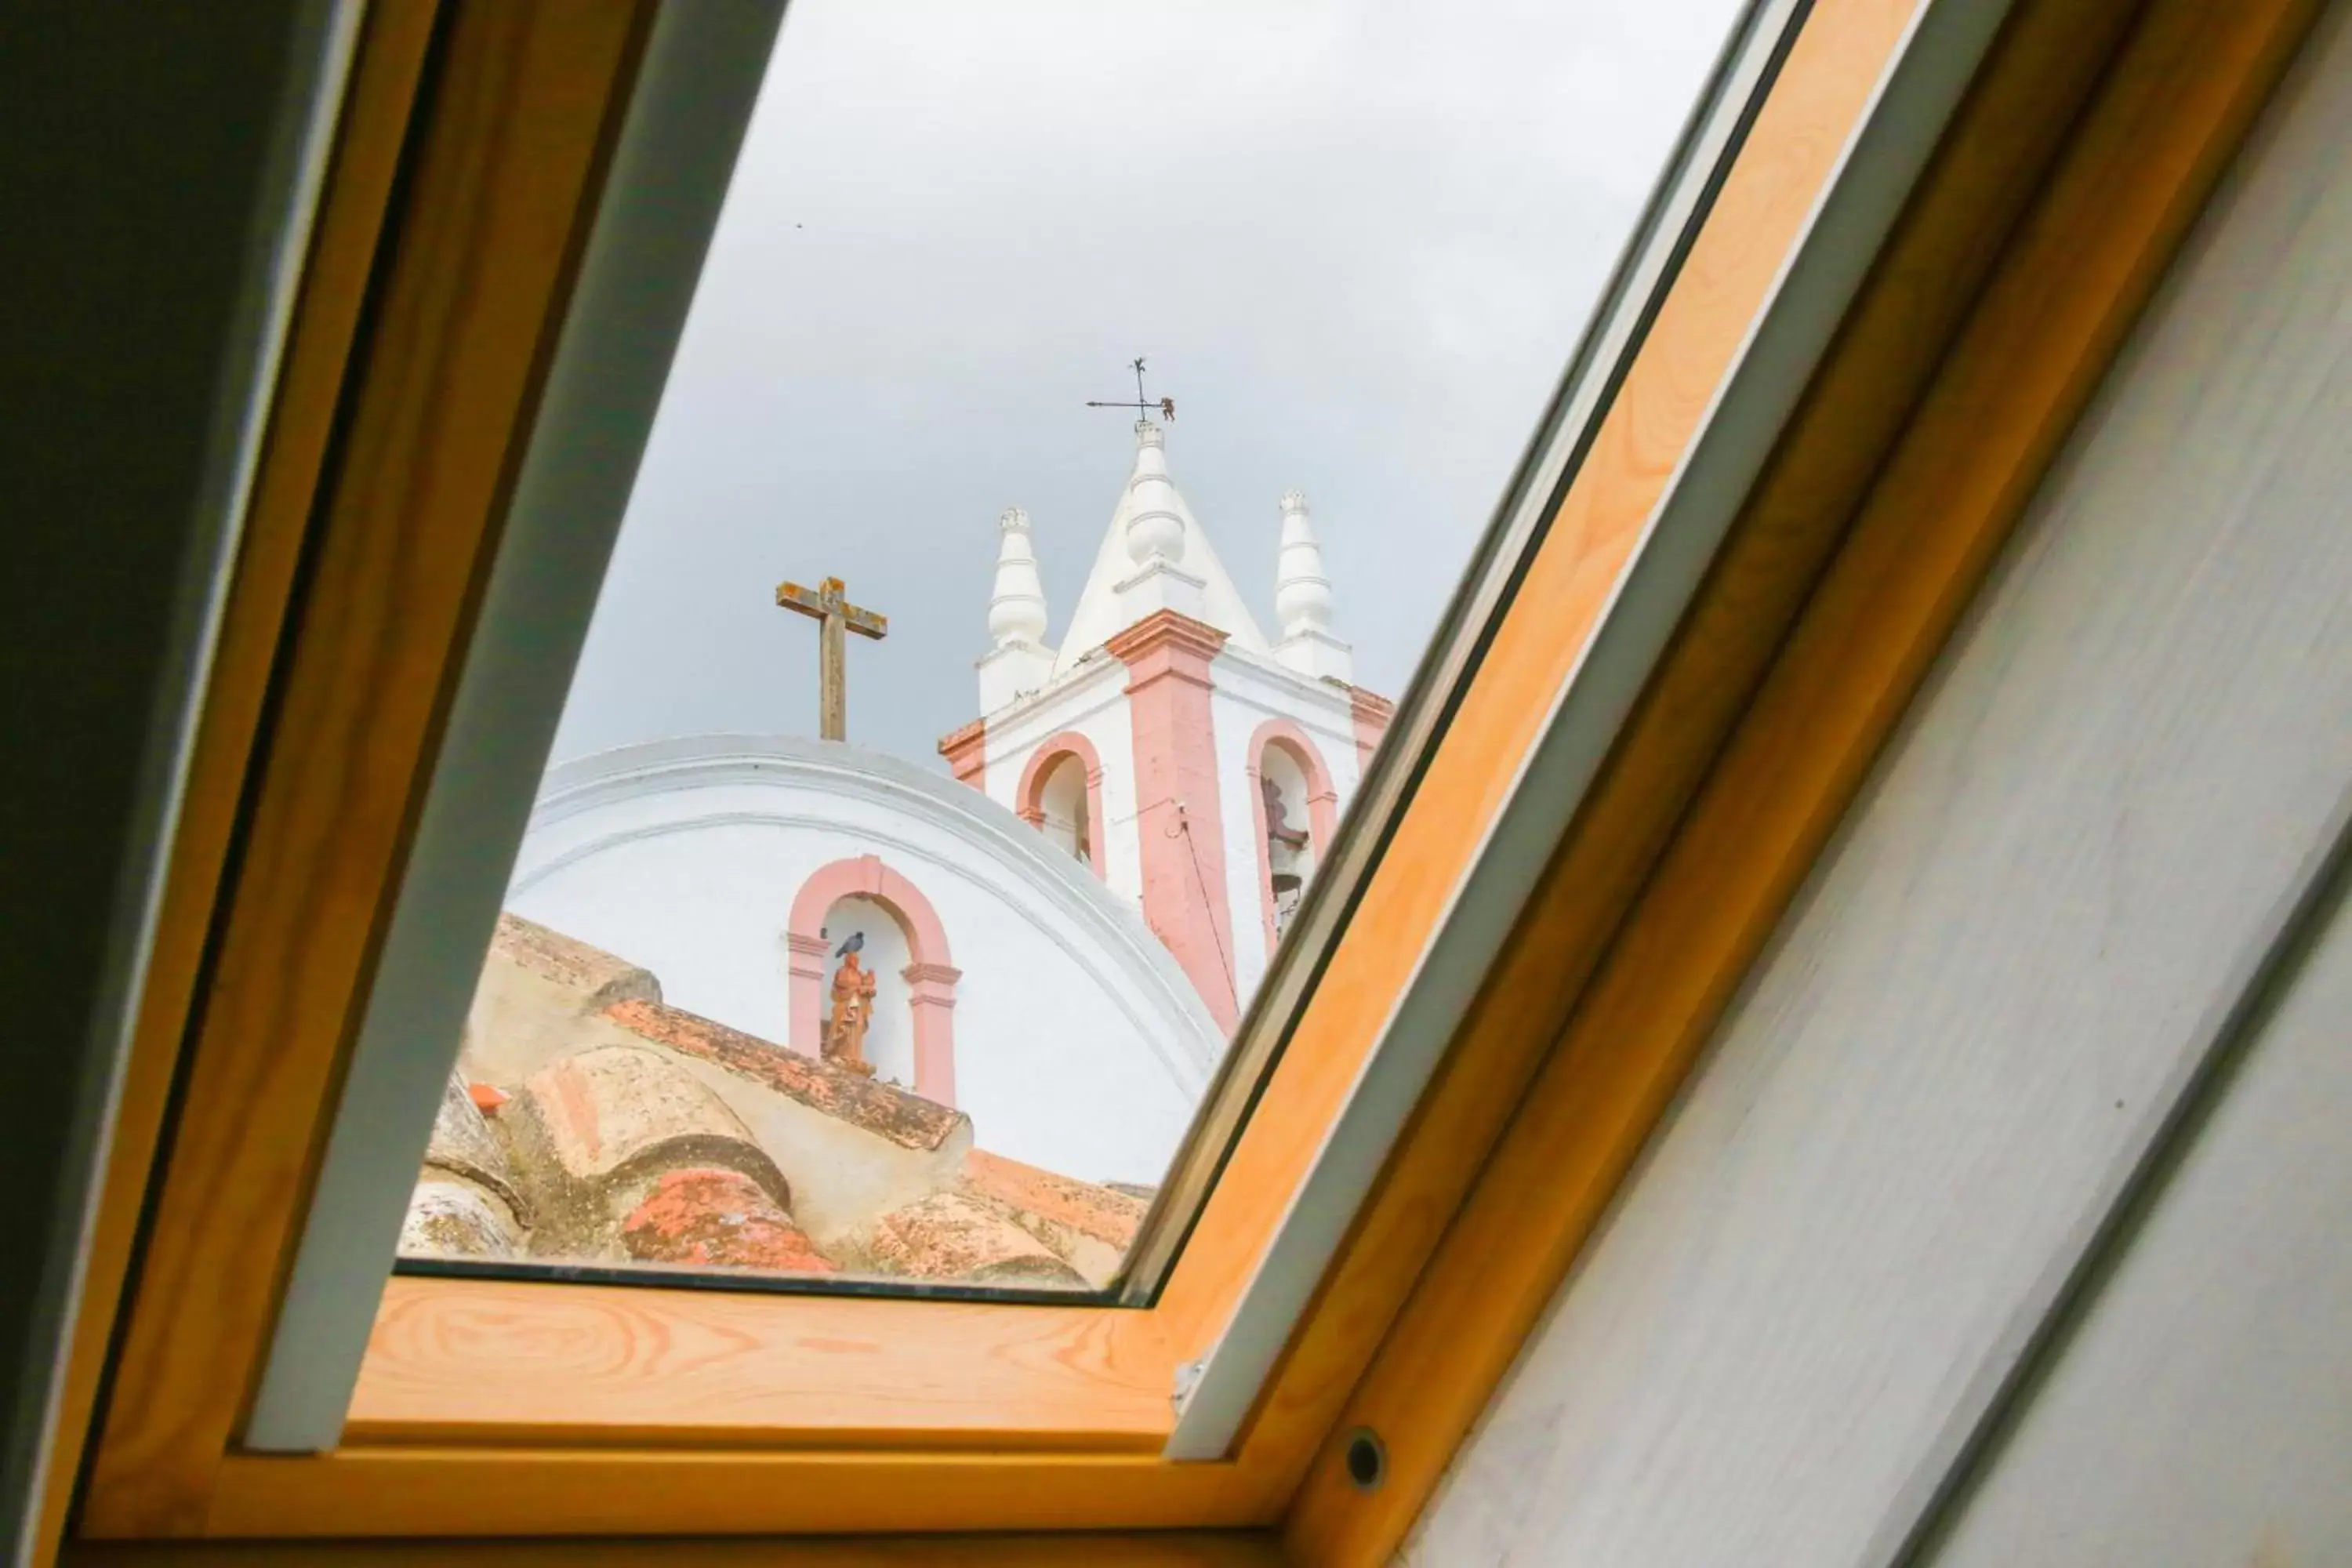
{"x": 136, "y": 146}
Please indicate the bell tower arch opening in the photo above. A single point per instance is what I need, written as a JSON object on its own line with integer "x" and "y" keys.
{"x": 1060, "y": 795}
{"x": 1062, "y": 804}
{"x": 1295, "y": 811}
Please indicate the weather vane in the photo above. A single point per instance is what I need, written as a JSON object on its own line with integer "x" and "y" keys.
{"x": 1166, "y": 406}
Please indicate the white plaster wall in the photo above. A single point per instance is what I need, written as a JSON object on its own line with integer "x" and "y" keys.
{"x": 1092, "y": 700}
{"x": 1245, "y": 693}
{"x": 1079, "y": 1045}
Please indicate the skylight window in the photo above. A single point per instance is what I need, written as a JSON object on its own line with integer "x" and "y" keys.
{"x": 1084, "y": 416}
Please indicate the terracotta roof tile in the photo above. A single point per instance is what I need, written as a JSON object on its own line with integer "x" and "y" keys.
{"x": 949, "y": 1236}
{"x": 462, "y": 1144}
{"x": 706, "y": 1217}
{"x": 452, "y": 1217}
{"x": 1093, "y": 1211}
{"x": 907, "y": 1119}
{"x": 571, "y": 964}
{"x": 615, "y": 1115}
{"x": 639, "y": 1130}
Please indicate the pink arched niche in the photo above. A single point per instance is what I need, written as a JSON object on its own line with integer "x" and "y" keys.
{"x": 931, "y": 975}
{"x": 1029, "y": 798}
{"x": 1322, "y": 805}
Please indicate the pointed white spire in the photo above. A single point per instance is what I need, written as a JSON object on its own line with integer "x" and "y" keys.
{"x": 1019, "y": 662}
{"x": 1155, "y": 529}
{"x": 1155, "y": 537}
{"x": 1302, "y": 600}
{"x": 1016, "y": 610}
{"x": 1128, "y": 581}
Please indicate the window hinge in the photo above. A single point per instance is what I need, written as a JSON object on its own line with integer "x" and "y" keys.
{"x": 1188, "y": 1378}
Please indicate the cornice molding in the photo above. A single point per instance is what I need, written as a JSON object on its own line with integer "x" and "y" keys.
{"x": 836, "y": 768}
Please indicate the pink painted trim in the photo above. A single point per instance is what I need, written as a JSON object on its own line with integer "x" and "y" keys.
{"x": 966, "y": 752}
{"x": 806, "y": 957}
{"x": 1029, "y": 798}
{"x": 1322, "y": 805}
{"x": 933, "y": 1002}
{"x": 1180, "y": 819}
{"x": 930, "y": 996}
{"x": 1371, "y": 715}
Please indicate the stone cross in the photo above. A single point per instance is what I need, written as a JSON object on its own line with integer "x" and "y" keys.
{"x": 828, "y": 605}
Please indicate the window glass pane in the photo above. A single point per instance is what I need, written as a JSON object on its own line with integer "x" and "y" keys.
{"x": 1086, "y": 412}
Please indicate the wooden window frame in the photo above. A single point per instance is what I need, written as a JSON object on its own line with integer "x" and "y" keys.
{"x": 442, "y": 259}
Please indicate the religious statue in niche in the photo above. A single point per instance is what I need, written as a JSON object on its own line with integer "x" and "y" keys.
{"x": 853, "y": 1008}
{"x": 1285, "y": 850}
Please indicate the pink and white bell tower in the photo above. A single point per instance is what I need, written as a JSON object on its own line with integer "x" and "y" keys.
{"x": 1196, "y": 766}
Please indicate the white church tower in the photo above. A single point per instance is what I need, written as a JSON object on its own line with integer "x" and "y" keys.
{"x": 1193, "y": 764}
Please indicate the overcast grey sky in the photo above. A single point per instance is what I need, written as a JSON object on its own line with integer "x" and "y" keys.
{"x": 1357, "y": 242}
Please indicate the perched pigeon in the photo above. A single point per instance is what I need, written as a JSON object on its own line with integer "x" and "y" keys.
{"x": 854, "y": 942}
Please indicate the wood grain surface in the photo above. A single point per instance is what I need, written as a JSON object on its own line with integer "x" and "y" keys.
{"x": 2115, "y": 773}
{"x": 495, "y": 1361}
{"x": 505, "y": 1491}
{"x": 1170, "y": 1548}
{"x": 496, "y": 203}
{"x": 342, "y": 258}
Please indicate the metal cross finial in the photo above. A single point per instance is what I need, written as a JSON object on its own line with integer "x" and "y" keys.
{"x": 1165, "y": 407}
{"x": 828, "y": 605}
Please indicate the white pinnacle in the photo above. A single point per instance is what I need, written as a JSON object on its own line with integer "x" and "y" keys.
{"x": 1302, "y": 594}
{"x": 1155, "y": 529}
{"x": 1016, "y": 610}
{"x": 1302, "y": 600}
